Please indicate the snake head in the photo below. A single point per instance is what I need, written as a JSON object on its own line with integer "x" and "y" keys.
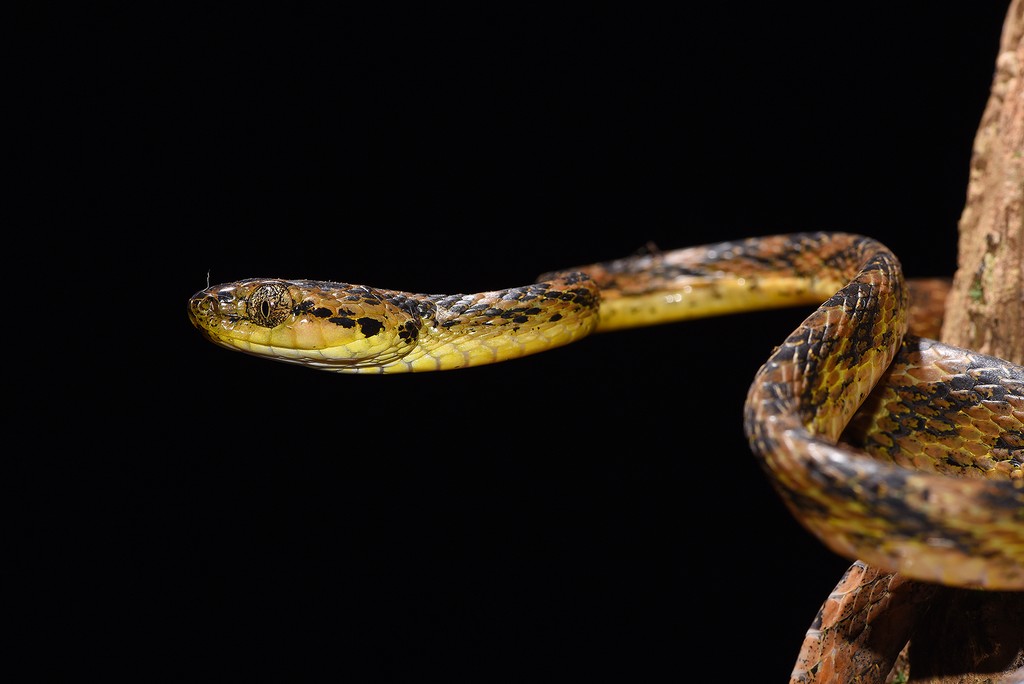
{"x": 322, "y": 324}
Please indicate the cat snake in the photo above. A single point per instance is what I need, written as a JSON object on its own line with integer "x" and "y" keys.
{"x": 894, "y": 450}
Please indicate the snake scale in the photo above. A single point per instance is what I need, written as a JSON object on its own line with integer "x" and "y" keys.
{"x": 894, "y": 450}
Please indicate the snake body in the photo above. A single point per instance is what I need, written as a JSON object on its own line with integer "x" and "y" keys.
{"x": 926, "y": 480}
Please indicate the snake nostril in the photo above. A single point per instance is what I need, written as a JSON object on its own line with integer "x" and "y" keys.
{"x": 206, "y": 306}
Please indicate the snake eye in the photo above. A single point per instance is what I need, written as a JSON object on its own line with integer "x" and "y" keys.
{"x": 269, "y": 304}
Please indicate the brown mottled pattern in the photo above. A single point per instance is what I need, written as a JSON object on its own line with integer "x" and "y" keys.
{"x": 816, "y": 256}
{"x": 945, "y": 410}
{"x": 897, "y": 518}
{"x": 861, "y": 627}
{"x": 926, "y": 482}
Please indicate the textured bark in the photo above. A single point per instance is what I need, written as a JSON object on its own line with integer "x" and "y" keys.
{"x": 973, "y": 637}
{"x": 985, "y": 310}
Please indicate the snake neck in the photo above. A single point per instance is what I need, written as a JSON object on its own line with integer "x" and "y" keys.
{"x": 459, "y": 331}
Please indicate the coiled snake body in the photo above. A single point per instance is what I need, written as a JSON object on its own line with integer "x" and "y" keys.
{"x": 935, "y": 488}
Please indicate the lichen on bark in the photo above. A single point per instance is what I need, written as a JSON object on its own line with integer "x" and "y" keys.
{"x": 985, "y": 310}
{"x": 978, "y": 637}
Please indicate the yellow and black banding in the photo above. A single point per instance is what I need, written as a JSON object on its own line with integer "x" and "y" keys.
{"x": 359, "y": 329}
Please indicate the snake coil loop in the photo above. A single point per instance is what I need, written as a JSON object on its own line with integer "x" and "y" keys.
{"x": 892, "y": 449}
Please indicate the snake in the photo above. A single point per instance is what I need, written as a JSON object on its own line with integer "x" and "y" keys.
{"x": 896, "y": 451}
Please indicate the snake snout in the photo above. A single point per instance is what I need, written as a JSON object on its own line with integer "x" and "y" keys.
{"x": 206, "y": 306}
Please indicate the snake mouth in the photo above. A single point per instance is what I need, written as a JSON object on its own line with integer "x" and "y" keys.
{"x": 218, "y": 326}
{"x": 220, "y": 315}
{"x": 216, "y": 314}
{"x": 214, "y": 323}
{"x": 329, "y": 358}
{"x": 217, "y": 319}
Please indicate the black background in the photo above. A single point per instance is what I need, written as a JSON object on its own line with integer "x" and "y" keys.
{"x": 592, "y": 512}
